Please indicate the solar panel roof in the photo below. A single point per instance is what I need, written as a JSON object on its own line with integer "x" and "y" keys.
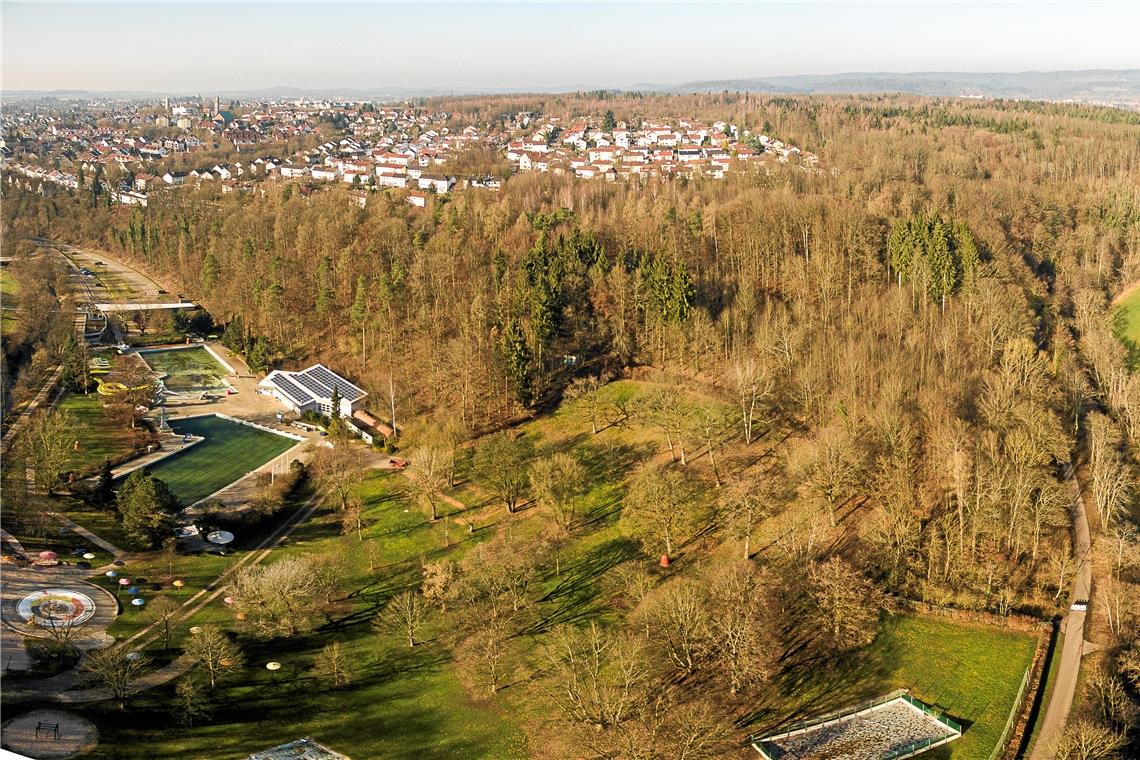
{"x": 298, "y": 395}
{"x": 316, "y": 382}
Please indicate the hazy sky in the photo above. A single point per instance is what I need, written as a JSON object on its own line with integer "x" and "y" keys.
{"x": 200, "y": 47}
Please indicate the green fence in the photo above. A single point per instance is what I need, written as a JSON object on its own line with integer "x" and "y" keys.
{"x": 916, "y": 747}
{"x": 831, "y": 716}
{"x": 951, "y": 724}
{"x": 1011, "y": 721}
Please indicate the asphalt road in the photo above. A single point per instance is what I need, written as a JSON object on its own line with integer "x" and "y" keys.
{"x": 1064, "y": 686}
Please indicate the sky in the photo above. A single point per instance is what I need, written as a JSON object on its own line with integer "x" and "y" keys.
{"x": 205, "y": 46}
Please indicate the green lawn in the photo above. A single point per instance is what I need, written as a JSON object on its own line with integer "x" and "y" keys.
{"x": 98, "y": 437}
{"x": 230, "y": 451}
{"x": 103, "y": 524}
{"x": 969, "y": 672}
{"x": 9, "y": 296}
{"x": 188, "y": 370}
{"x": 410, "y": 703}
{"x": 402, "y": 703}
{"x": 1126, "y": 316}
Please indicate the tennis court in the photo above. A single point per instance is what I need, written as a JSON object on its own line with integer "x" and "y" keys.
{"x": 186, "y": 370}
{"x": 229, "y": 451}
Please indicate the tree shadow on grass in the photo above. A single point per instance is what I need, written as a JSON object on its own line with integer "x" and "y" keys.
{"x": 576, "y": 596}
{"x": 814, "y": 679}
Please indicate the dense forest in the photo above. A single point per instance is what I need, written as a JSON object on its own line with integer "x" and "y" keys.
{"x": 925, "y": 315}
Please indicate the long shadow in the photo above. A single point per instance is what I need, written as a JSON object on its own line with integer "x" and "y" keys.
{"x": 576, "y": 595}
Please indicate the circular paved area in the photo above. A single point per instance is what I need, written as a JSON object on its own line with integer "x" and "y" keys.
{"x": 56, "y": 606}
{"x": 30, "y": 598}
{"x": 76, "y": 735}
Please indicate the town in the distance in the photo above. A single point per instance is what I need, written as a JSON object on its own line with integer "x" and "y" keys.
{"x": 569, "y": 381}
{"x": 133, "y": 148}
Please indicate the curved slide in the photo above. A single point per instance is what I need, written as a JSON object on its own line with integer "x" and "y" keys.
{"x": 113, "y": 388}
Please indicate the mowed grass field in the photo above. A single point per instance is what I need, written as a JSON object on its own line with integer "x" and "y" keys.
{"x": 230, "y": 451}
{"x": 188, "y": 369}
{"x": 97, "y": 436}
{"x": 1126, "y": 316}
{"x": 969, "y": 672}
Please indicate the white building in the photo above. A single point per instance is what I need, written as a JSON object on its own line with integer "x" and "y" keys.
{"x": 312, "y": 390}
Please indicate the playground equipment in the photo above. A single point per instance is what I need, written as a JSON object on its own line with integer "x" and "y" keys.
{"x": 113, "y": 388}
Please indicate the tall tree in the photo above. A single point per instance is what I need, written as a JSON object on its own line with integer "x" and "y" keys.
{"x": 116, "y": 672}
{"x": 146, "y": 507}
{"x": 502, "y": 463}
{"x": 48, "y": 440}
{"x": 662, "y": 507}
{"x": 214, "y": 652}
{"x": 559, "y": 482}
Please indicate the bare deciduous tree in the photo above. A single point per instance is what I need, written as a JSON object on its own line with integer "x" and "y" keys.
{"x": 484, "y": 653}
{"x": 740, "y": 612}
{"x": 276, "y": 598}
{"x": 586, "y": 394}
{"x": 502, "y": 462}
{"x": 114, "y": 670}
{"x": 338, "y": 469}
{"x": 334, "y": 666}
{"x": 405, "y": 613}
{"x": 47, "y": 442}
{"x": 846, "y": 605}
{"x": 213, "y": 651}
{"x": 428, "y": 475}
{"x": 558, "y": 482}
{"x": 679, "y": 623}
{"x": 661, "y": 508}
{"x": 162, "y": 612}
{"x": 754, "y": 387}
{"x": 596, "y": 677}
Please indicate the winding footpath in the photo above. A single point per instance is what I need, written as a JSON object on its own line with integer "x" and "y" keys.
{"x": 1064, "y": 687}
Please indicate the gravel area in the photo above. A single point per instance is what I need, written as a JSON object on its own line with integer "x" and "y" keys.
{"x": 865, "y": 736}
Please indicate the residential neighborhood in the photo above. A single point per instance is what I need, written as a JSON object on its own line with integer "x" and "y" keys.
{"x": 134, "y": 148}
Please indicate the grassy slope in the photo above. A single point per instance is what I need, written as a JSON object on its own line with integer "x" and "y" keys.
{"x": 1127, "y": 316}
{"x": 98, "y": 438}
{"x": 969, "y": 672}
{"x": 10, "y": 295}
{"x": 972, "y": 673}
{"x": 410, "y": 703}
{"x": 229, "y": 452}
{"x": 402, "y": 704}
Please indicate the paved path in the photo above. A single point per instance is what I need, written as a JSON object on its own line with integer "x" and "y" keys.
{"x": 61, "y": 687}
{"x": 1064, "y": 686}
{"x": 102, "y": 543}
{"x": 24, "y": 414}
{"x": 13, "y": 543}
{"x": 156, "y": 677}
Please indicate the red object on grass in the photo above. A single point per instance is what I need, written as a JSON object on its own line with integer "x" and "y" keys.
{"x": 664, "y": 560}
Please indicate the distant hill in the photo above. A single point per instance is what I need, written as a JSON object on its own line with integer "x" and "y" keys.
{"x": 1095, "y": 85}
{"x": 1118, "y": 87}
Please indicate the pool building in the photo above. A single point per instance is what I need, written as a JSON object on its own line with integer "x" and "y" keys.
{"x": 312, "y": 390}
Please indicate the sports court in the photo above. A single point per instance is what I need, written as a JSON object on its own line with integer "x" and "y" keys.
{"x": 186, "y": 370}
{"x": 229, "y": 451}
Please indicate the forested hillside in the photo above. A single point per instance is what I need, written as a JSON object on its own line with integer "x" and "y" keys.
{"x": 923, "y": 318}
